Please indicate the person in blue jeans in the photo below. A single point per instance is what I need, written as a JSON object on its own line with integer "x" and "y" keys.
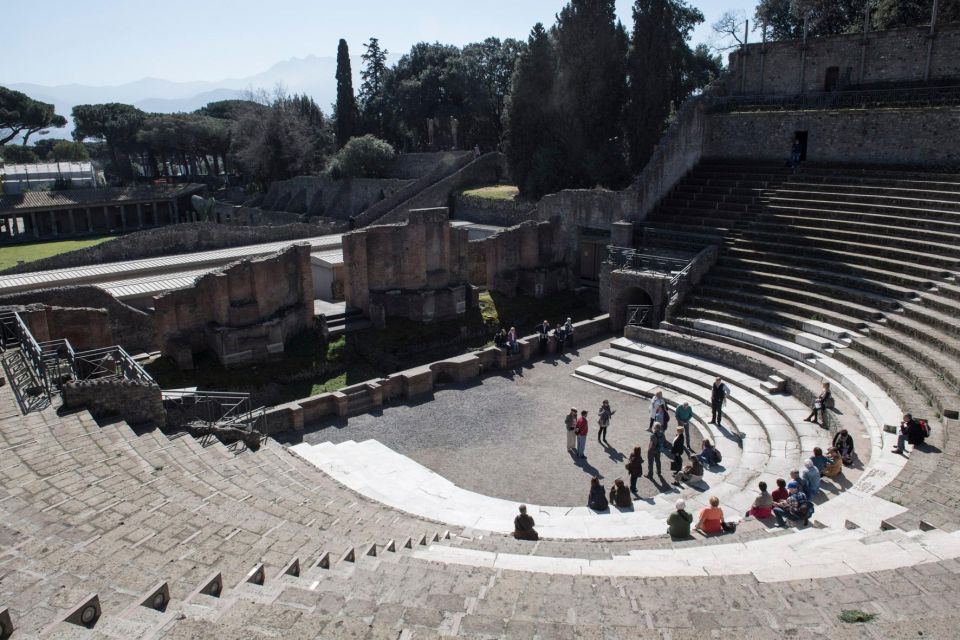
{"x": 581, "y": 430}
{"x": 793, "y": 508}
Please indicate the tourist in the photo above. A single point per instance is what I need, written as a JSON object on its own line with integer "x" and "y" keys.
{"x": 795, "y": 507}
{"x": 571, "y": 424}
{"x": 684, "y": 414}
{"x": 620, "y": 495}
{"x": 476, "y": 151}
{"x": 523, "y": 526}
{"x": 568, "y": 332}
{"x": 709, "y": 455}
{"x": 500, "y": 339}
{"x": 543, "y": 332}
{"x": 597, "y": 500}
{"x": 762, "y": 504}
{"x": 711, "y": 518}
{"x": 692, "y": 473}
{"x": 677, "y": 449}
{"x": 718, "y": 395}
{"x": 796, "y": 151}
{"x": 780, "y": 493}
{"x": 656, "y": 402}
{"x": 911, "y": 432}
{"x": 820, "y": 406}
{"x": 660, "y": 435}
{"x": 834, "y": 466}
{"x": 795, "y": 477}
{"x": 635, "y": 468}
{"x": 819, "y": 460}
{"x": 581, "y": 429}
{"x": 512, "y": 340}
{"x": 653, "y": 452}
{"x": 678, "y": 522}
{"x": 843, "y": 443}
{"x": 559, "y": 336}
{"x": 603, "y": 421}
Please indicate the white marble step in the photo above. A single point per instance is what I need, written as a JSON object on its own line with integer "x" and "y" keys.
{"x": 806, "y": 554}
{"x": 829, "y": 331}
{"x": 777, "y": 345}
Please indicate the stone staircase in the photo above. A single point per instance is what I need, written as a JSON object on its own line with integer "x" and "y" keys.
{"x": 848, "y": 272}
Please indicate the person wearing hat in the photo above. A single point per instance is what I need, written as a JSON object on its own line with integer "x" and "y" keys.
{"x": 678, "y": 522}
{"x": 794, "y": 507}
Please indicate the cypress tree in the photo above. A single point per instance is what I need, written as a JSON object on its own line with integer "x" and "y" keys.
{"x": 345, "y": 111}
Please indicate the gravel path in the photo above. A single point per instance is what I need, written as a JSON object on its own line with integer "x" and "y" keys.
{"x": 504, "y": 436}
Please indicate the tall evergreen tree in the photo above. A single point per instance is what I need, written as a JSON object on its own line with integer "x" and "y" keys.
{"x": 345, "y": 111}
{"x": 662, "y": 71}
{"x": 590, "y": 92}
{"x": 531, "y": 145}
{"x": 373, "y": 75}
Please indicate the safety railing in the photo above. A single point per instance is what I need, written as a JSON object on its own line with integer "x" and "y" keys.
{"x": 904, "y": 97}
{"x": 637, "y": 260}
{"x": 209, "y": 411}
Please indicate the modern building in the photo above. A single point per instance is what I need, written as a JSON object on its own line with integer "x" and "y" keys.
{"x": 18, "y": 178}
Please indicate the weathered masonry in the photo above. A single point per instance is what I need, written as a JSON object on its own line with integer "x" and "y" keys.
{"x": 45, "y": 215}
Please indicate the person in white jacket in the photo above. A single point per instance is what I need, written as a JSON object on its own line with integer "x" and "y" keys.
{"x": 656, "y": 404}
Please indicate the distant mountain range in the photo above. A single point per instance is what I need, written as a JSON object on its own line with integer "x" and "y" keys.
{"x": 312, "y": 75}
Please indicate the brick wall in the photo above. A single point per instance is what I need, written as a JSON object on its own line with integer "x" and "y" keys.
{"x": 83, "y": 328}
{"x": 527, "y": 258}
{"x": 324, "y": 196}
{"x": 410, "y": 166}
{"x": 137, "y": 403}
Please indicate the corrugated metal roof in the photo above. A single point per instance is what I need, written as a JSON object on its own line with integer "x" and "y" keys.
{"x": 64, "y": 168}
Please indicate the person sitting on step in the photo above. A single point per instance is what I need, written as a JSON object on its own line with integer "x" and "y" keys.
{"x": 597, "y": 500}
{"x": 523, "y": 526}
{"x": 835, "y": 465}
{"x": 709, "y": 455}
{"x": 811, "y": 479}
{"x": 762, "y": 504}
{"x": 678, "y": 522}
{"x": 843, "y": 443}
{"x": 819, "y": 460}
{"x": 711, "y": 518}
{"x": 795, "y": 507}
{"x": 692, "y": 473}
{"x": 620, "y": 495}
{"x": 780, "y": 493}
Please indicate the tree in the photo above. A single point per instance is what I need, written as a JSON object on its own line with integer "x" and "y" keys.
{"x": 363, "y": 157}
{"x": 890, "y": 14}
{"x": 590, "y": 92}
{"x": 663, "y": 71}
{"x": 345, "y": 111}
{"x": 115, "y": 123}
{"x": 18, "y": 154}
{"x": 531, "y": 144}
{"x": 22, "y": 115}
{"x": 785, "y": 18}
{"x": 67, "y": 151}
{"x": 487, "y": 68}
{"x": 371, "y": 96}
{"x": 729, "y": 29}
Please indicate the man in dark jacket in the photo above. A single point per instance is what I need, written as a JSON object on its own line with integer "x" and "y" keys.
{"x": 717, "y": 397}
{"x": 523, "y": 526}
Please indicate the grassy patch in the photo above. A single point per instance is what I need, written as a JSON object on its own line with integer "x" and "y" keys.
{"x": 494, "y": 192}
{"x": 852, "y": 616}
{"x": 10, "y": 256}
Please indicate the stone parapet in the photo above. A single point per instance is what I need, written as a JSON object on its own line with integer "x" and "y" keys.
{"x": 136, "y": 402}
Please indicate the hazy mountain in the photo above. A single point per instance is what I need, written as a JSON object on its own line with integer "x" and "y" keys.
{"x": 312, "y": 75}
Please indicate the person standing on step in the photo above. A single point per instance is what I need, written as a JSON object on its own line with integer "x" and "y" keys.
{"x": 820, "y": 406}
{"x": 635, "y": 468}
{"x": 582, "y": 428}
{"x": 656, "y": 404}
{"x": 718, "y": 396}
{"x": 543, "y": 332}
{"x": 559, "y": 336}
{"x": 603, "y": 421}
{"x": 653, "y": 451}
{"x": 568, "y": 332}
{"x": 677, "y": 449}
{"x": 684, "y": 414}
{"x": 512, "y": 340}
{"x": 523, "y": 526}
{"x": 571, "y": 424}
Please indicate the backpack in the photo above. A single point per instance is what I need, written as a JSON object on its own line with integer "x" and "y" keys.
{"x": 925, "y": 427}
{"x": 717, "y": 456}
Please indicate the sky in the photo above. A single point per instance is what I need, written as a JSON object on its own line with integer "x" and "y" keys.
{"x": 108, "y": 42}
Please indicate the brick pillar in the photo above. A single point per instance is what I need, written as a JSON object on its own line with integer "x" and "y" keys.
{"x": 621, "y": 234}
{"x": 123, "y": 217}
{"x": 89, "y": 220}
{"x": 73, "y": 223}
{"x": 53, "y": 223}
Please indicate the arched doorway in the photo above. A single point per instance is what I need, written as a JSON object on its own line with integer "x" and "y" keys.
{"x": 638, "y": 307}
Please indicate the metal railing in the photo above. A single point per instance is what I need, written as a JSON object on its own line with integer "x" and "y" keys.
{"x": 210, "y": 411}
{"x": 637, "y": 260}
{"x": 638, "y": 314}
{"x": 859, "y": 99}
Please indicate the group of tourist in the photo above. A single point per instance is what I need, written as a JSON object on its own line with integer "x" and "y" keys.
{"x": 563, "y": 334}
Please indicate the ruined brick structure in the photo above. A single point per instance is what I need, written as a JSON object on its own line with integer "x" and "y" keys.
{"x": 527, "y": 258}
{"x": 244, "y": 312}
{"x": 416, "y": 269}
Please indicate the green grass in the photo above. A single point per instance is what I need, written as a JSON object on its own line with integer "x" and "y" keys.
{"x": 494, "y": 192}
{"x": 852, "y": 616}
{"x": 10, "y": 256}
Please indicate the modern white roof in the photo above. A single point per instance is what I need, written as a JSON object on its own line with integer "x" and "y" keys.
{"x": 64, "y": 168}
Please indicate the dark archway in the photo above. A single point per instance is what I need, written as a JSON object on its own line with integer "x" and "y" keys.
{"x": 638, "y": 307}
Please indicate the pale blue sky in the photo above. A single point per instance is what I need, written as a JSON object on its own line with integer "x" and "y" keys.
{"x": 106, "y": 42}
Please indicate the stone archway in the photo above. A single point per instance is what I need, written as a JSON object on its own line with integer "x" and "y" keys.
{"x": 637, "y": 307}
{"x": 628, "y": 290}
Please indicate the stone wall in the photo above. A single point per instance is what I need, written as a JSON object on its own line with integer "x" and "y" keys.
{"x": 244, "y": 312}
{"x": 137, "y": 403}
{"x": 487, "y": 169}
{"x": 503, "y": 213}
{"x": 179, "y": 238}
{"x": 410, "y": 166}
{"x": 416, "y": 269}
{"x": 131, "y": 328}
{"x": 877, "y": 136}
{"x": 895, "y": 56}
{"x": 323, "y": 196}
{"x": 416, "y": 382}
{"x": 527, "y": 258}
{"x": 83, "y": 328}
